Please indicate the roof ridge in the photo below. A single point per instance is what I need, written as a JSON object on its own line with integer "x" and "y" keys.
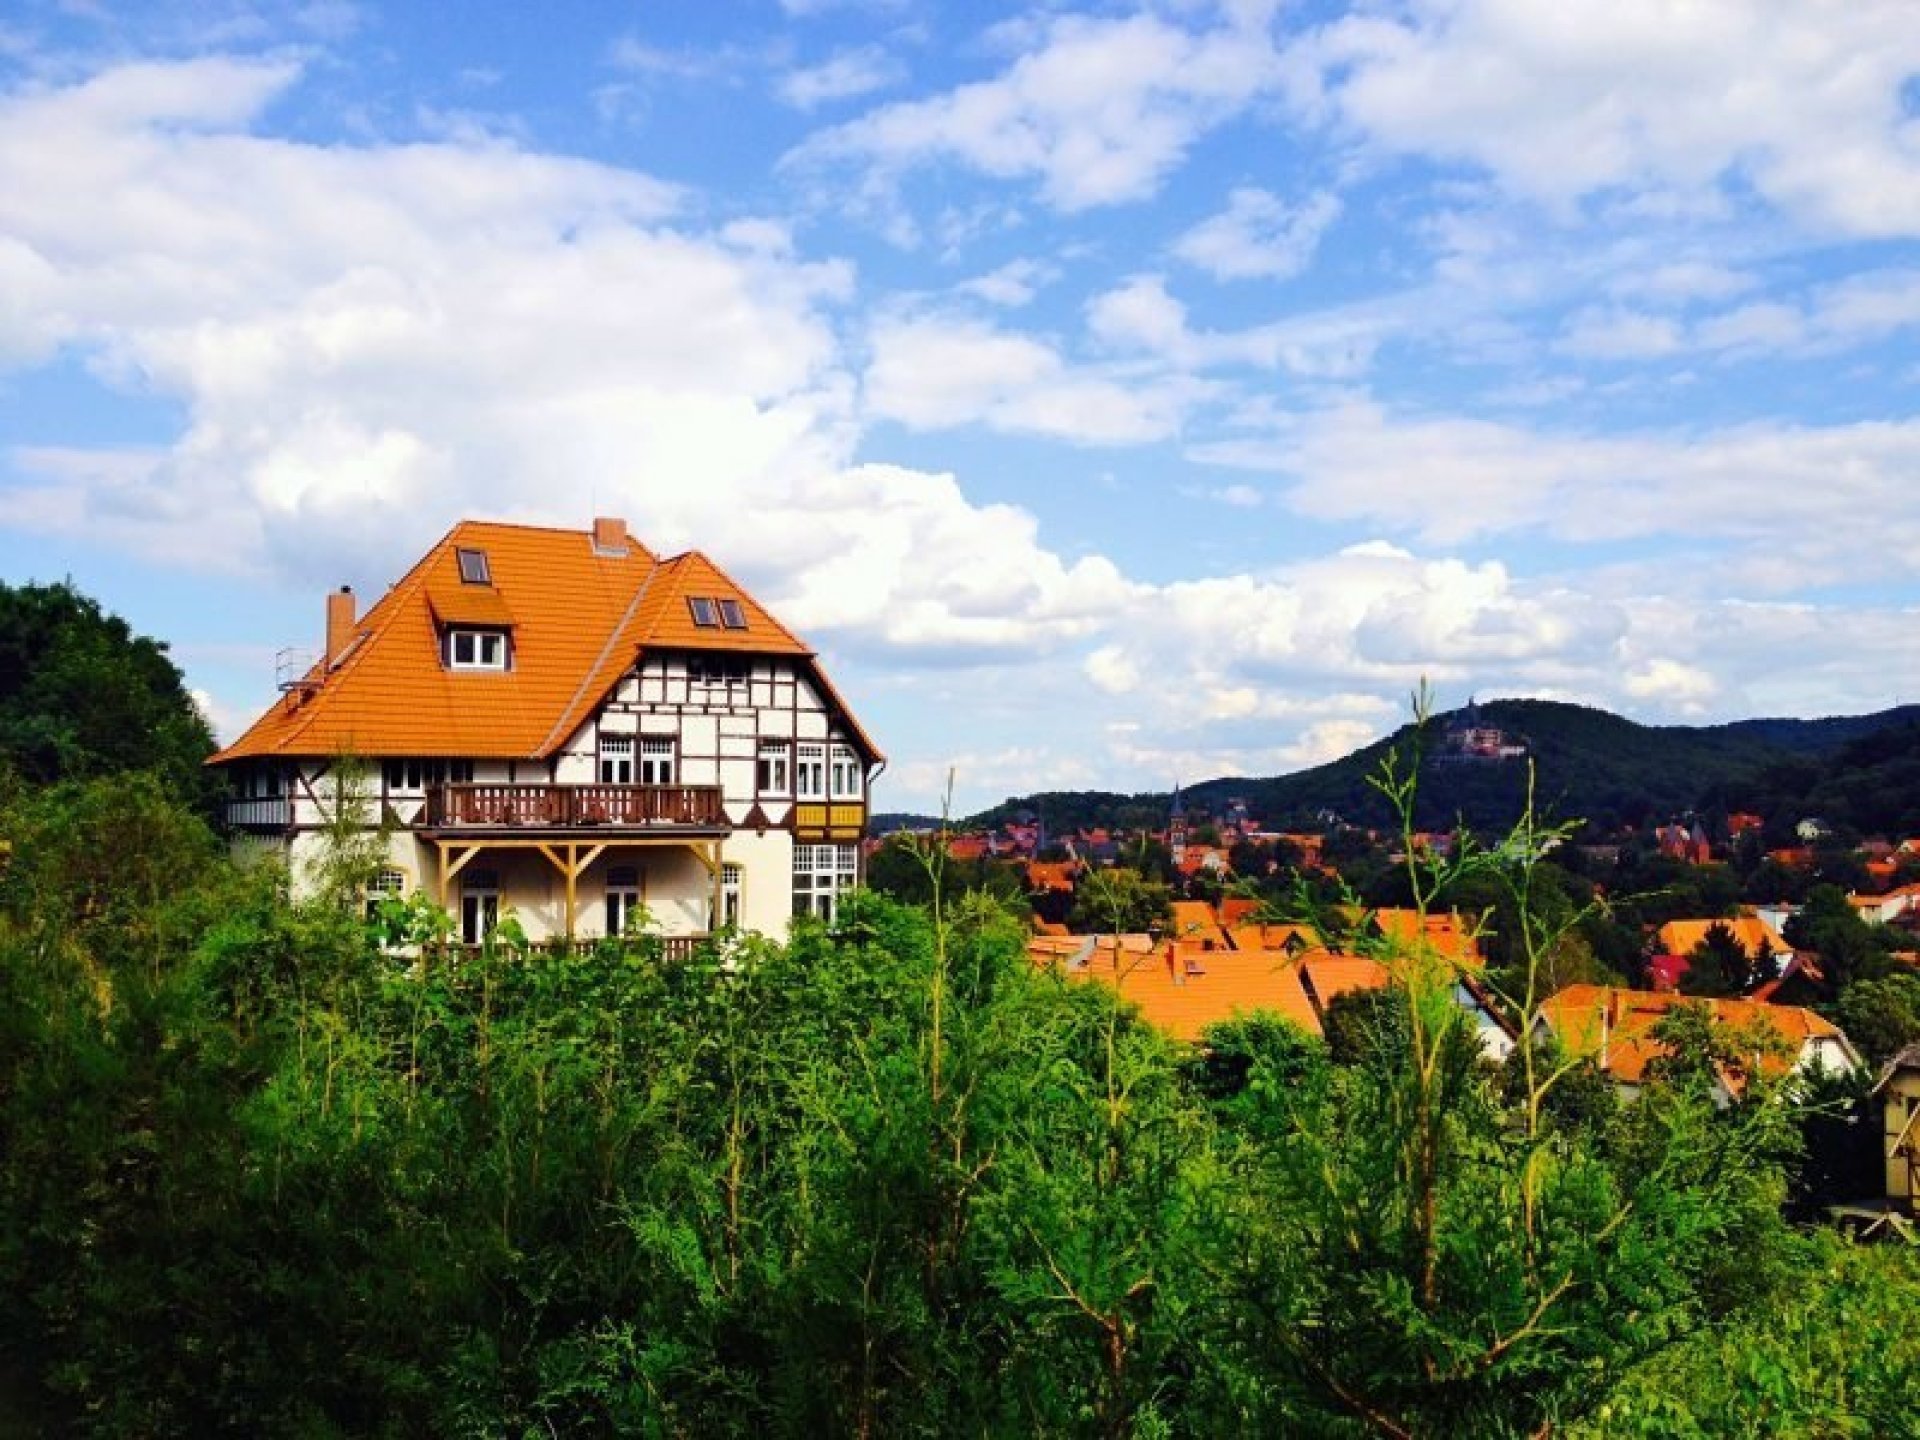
{"x": 587, "y": 677}
{"x": 388, "y": 608}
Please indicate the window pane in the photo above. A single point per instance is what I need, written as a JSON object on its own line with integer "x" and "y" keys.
{"x": 732, "y": 616}
{"x": 704, "y": 612}
{"x": 473, "y": 567}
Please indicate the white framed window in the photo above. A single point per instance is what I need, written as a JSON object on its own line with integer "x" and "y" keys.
{"x": 477, "y": 649}
{"x": 479, "y": 905}
{"x": 810, "y": 772}
{"x": 616, "y": 759}
{"x": 730, "y": 881}
{"x": 623, "y": 898}
{"x": 845, "y": 775}
{"x": 773, "y": 774}
{"x": 821, "y": 874}
{"x": 411, "y": 777}
{"x": 657, "y": 759}
{"x": 712, "y": 670}
{"x": 388, "y": 884}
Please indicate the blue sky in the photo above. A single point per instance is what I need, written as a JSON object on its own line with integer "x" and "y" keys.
{"x": 1112, "y": 393}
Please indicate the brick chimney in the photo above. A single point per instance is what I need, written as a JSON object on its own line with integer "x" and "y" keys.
{"x": 340, "y": 618}
{"x": 609, "y": 535}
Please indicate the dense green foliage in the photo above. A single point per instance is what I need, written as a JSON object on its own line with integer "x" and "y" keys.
{"x": 1838, "y": 1357}
{"x": 81, "y": 695}
{"x": 261, "y": 1175}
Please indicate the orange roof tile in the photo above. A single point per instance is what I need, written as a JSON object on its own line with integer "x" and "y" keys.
{"x": 1272, "y": 937}
{"x": 1328, "y": 974}
{"x": 1235, "y": 909}
{"x": 1194, "y": 922}
{"x": 579, "y": 619}
{"x": 1683, "y": 937}
{"x": 1052, "y": 875}
{"x": 1182, "y": 989}
{"x": 1614, "y": 1026}
{"x": 1449, "y": 934}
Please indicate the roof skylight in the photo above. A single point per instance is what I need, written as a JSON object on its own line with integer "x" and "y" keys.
{"x": 474, "y": 569}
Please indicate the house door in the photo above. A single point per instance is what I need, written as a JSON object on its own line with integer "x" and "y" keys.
{"x": 479, "y": 905}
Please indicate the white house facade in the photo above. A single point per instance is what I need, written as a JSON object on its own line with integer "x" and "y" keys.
{"x": 560, "y": 725}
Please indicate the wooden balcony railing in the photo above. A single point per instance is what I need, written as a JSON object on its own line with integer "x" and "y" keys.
{"x": 678, "y": 948}
{"x": 574, "y": 807}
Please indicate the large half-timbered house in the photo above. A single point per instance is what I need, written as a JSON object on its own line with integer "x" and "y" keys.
{"x": 563, "y": 723}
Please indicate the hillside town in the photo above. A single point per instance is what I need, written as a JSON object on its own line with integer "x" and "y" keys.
{"x": 1214, "y": 919}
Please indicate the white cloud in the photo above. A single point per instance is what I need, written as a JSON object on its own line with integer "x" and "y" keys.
{"x": 1259, "y": 236}
{"x": 1639, "y": 98}
{"x": 933, "y": 372}
{"x": 844, "y": 76}
{"x": 1140, "y": 316}
{"x": 1012, "y": 285}
{"x": 1774, "y": 507}
{"x": 1099, "y": 113}
{"x": 1620, "y": 335}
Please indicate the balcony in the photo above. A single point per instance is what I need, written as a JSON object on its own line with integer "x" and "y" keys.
{"x": 590, "y": 808}
{"x": 270, "y": 812}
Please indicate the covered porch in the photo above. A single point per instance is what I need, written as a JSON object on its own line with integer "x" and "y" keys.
{"x": 569, "y": 887}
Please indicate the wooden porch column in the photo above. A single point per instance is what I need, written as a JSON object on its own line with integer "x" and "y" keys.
{"x": 571, "y": 868}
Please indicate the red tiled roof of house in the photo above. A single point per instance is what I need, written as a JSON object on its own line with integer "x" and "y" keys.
{"x": 1182, "y": 989}
{"x": 1194, "y": 922}
{"x": 1236, "y": 908}
{"x": 1683, "y": 937}
{"x": 578, "y": 617}
{"x": 1614, "y": 1026}
{"x": 1056, "y": 876}
{"x": 1449, "y": 934}
{"x": 1327, "y": 975}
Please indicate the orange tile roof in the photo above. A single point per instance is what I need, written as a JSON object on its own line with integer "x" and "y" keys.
{"x": 1234, "y": 909}
{"x": 1327, "y": 974}
{"x": 1182, "y": 989}
{"x": 1272, "y": 937}
{"x": 1449, "y": 934}
{"x": 1683, "y": 937}
{"x": 1614, "y": 1026}
{"x": 1052, "y": 875}
{"x": 1195, "y": 922}
{"x": 579, "y": 618}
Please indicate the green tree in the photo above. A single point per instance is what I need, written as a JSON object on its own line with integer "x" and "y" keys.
{"x": 1848, "y": 947}
{"x": 1118, "y": 901}
{"x": 1719, "y": 965}
{"x": 1881, "y": 1016}
{"x": 82, "y": 696}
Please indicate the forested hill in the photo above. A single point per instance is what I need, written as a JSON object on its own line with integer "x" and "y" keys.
{"x": 1588, "y": 764}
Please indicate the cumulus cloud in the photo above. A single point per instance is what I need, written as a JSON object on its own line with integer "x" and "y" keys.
{"x": 1639, "y": 98}
{"x": 937, "y": 372}
{"x": 1097, "y": 111}
{"x": 844, "y": 76}
{"x": 1259, "y": 236}
{"x": 1776, "y": 507}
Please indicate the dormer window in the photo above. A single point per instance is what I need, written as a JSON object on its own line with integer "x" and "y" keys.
{"x": 474, "y": 569}
{"x": 476, "y": 650}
